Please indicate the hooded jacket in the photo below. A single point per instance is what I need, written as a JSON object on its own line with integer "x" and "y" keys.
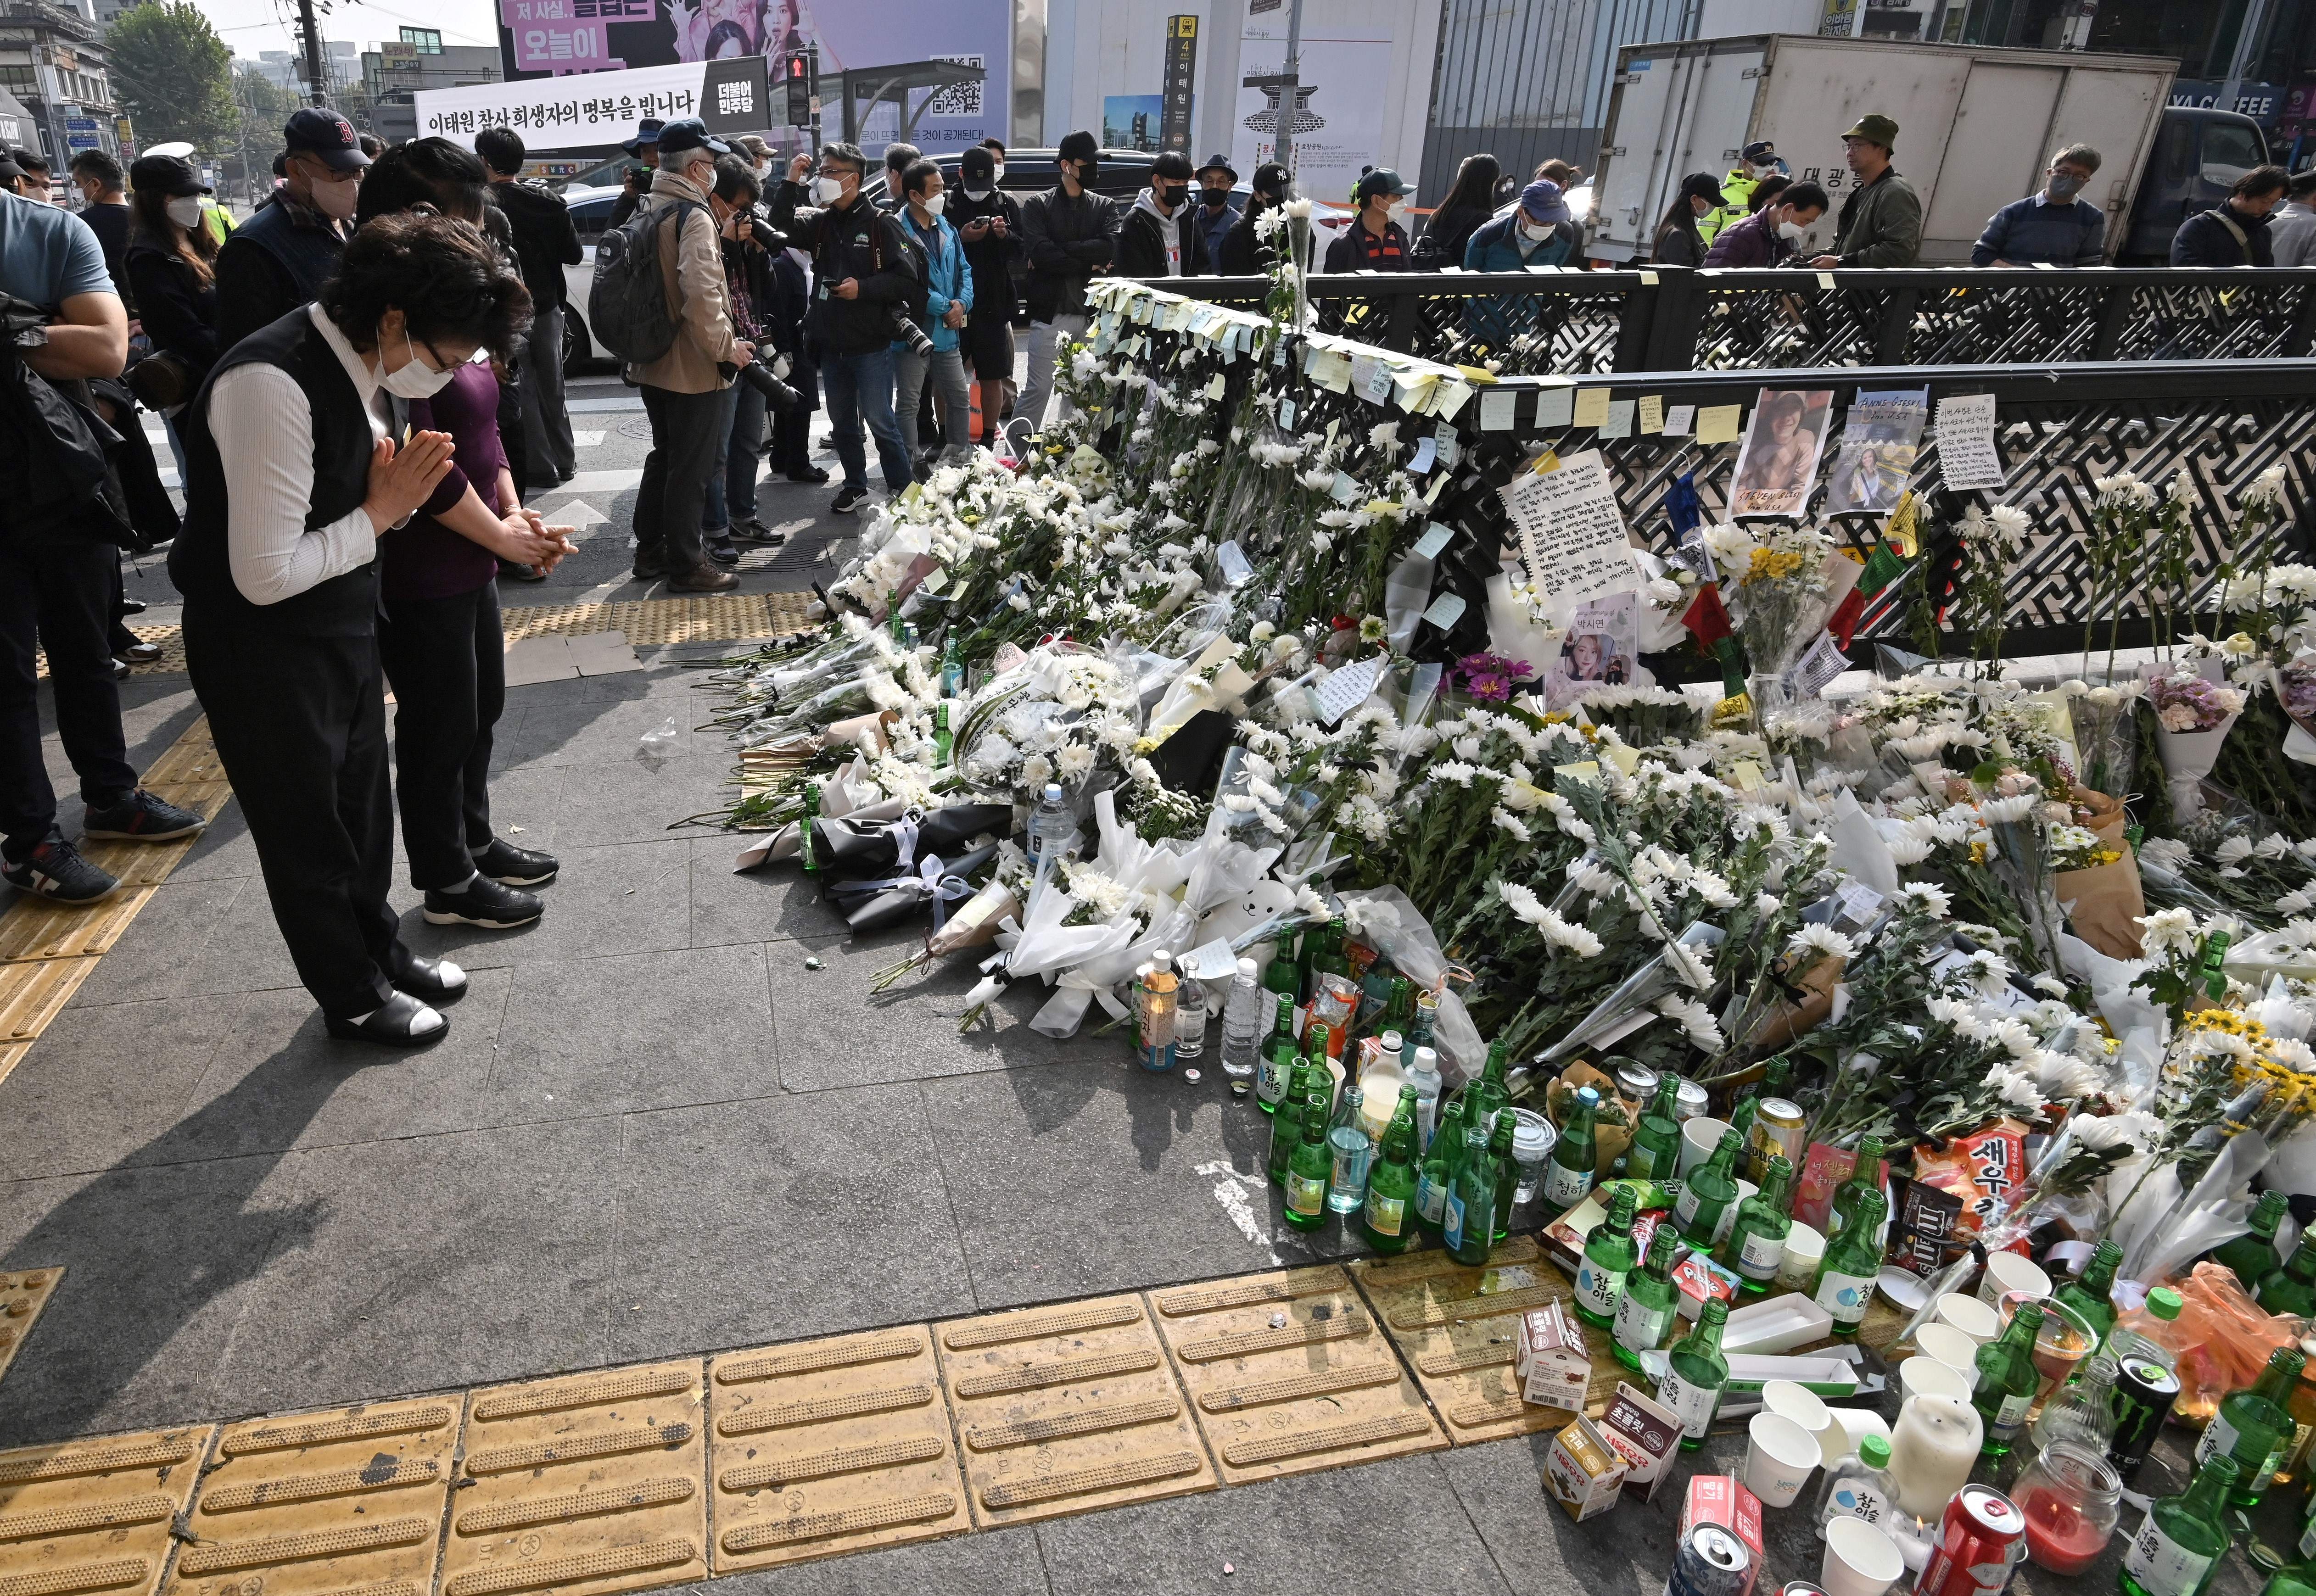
{"x": 1152, "y": 244}
{"x": 544, "y": 242}
{"x": 691, "y": 266}
{"x": 1068, "y": 240}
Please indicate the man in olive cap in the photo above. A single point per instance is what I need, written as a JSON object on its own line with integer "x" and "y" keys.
{"x": 1881, "y": 222}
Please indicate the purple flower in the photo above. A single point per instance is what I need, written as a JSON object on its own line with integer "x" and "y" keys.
{"x": 1489, "y": 677}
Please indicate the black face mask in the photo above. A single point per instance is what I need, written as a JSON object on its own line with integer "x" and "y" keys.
{"x": 1087, "y": 171}
{"x": 1217, "y": 196}
{"x": 1169, "y": 195}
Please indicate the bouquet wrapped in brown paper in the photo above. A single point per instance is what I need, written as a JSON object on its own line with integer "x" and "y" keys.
{"x": 2096, "y": 876}
{"x": 1611, "y": 1139}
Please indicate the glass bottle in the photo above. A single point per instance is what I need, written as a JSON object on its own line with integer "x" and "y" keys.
{"x": 1284, "y": 973}
{"x": 1159, "y": 994}
{"x": 2180, "y": 1543}
{"x": 1694, "y": 1374}
{"x": 1399, "y": 1007}
{"x": 2091, "y": 1293}
{"x": 1708, "y": 1192}
{"x": 1387, "y": 1220}
{"x": 1287, "y": 1124}
{"x": 1490, "y": 1092}
{"x": 1609, "y": 1255}
{"x": 1308, "y": 1169}
{"x": 1421, "y": 1071}
{"x": 1860, "y": 1486}
{"x": 1651, "y": 1303}
{"x": 1500, "y": 1141}
{"x": 1866, "y": 1177}
{"x": 2292, "y": 1289}
{"x": 807, "y": 826}
{"x": 2083, "y": 1410}
{"x": 1756, "y": 1247}
{"x": 2071, "y": 1499}
{"x": 2254, "y": 1427}
{"x": 1471, "y": 1208}
{"x": 1242, "y": 1025}
{"x": 2301, "y": 1406}
{"x": 2253, "y": 1256}
{"x": 1326, "y": 957}
{"x": 1568, "y": 1172}
{"x": 1274, "y": 1076}
{"x": 952, "y": 669}
{"x": 1351, "y": 1148}
{"x": 1844, "y": 1285}
{"x": 1655, "y": 1150}
{"x": 1424, "y": 1023}
{"x": 943, "y": 743}
{"x": 2293, "y": 1579}
{"x": 1436, "y": 1177}
{"x": 1190, "y": 1012}
{"x": 2007, "y": 1381}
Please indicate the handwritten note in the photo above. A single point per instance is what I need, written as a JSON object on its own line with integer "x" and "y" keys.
{"x": 1497, "y": 409}
{"x": 1287, "y": 413}
{"x": 1451, "y": 451}
{"x": 1653, "y": 412}
{"x": 1718, "y": 423}
{"x": 1679, "y": 419}
{"x": 1377, "y": 388}
{"x": 1571, "y": 532}
{"x": 1446, "y": 610}
{"x": 1591, "y": 406}
{"x": 1556, "y": 407}
{"x": 1427, "y": 452}
{"x": 1618, "y": 421}
{"x": 1429, "y": 546}
{"x": 1966, "y": 452}
{"x": 1345, "y": 690}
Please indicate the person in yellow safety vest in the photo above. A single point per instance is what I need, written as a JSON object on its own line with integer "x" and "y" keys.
{"x": 1755, "y": 162}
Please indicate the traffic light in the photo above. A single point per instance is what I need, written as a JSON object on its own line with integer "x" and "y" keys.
{"x": 799, "y": 87}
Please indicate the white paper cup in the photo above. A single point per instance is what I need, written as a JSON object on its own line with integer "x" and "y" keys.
{"x": 1789, "y": 1399}
{"x": 1860, "y": 1559}
{"x": 1745, "y": 1189}
{"x": 1949, "y": 1346}
{"x": 1780, "y": 1456}
{"x": 1922, "y": 1375}
{"x": 2008, "y": 1271}
{"x": 1805, "y": 1251}
{"x": 1698, "y": 1138}
{"x": 1855, "y": 1424}
{"x": 1968, "y": 1315}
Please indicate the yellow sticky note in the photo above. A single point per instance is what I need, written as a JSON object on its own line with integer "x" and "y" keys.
{"x": 1591, "y": 406}
{"x": 1589, "y": 770}
{"x": 1900, "y": 532}
{"x": 1748, "y": 777}
{"x": 1547, "y": 463}
{"x": 1648, "y": 279}
{"x": 1653, "y": 412}
{"x": 1621, "y": 758}
{"x": 1717, "y": 424}
{"x": 1826, "y": 280}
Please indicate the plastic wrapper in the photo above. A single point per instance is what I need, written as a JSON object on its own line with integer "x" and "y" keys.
{"x": 2223, "y": 1337}
{"x": 1388, "y": 923}
{"x": 931, "y": 884}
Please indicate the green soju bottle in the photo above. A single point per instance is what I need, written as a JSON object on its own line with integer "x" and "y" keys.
{"x": 1326, "y": 958}
{"x": 1757, "y": 1241}
{"x": 1692, "y": 1386}
{"x": 1309, "y": 1077}
{"x": 2091, "y": 1294}
{"x": 1388, "y": 1220}
{"x": 1399, "y": 1008}
{"x": 1499, "y": 1154}
{"x": 1308, "y": 1169}
{"x": 952, "y": 669}
{"x": 942, "y": 741}
{"x": 1436, "y": 1176}
{"x": 1709, "y": 1193}
{"x": 1651, "y": 1303}
{"x": 2253, "y": 1255}
{"x": 1273, "y": 1074}
{"x": 2006, "y": 1381}
{"x": 2253, "y": 1426}
{"x": 1490, "y": 1092}
{"x": 805, "y": 842}
{"x": 1609, "y": 1256}
{"x": 1844, "y": 1286}
{"x": 2292, "y": 1289}
{"x": 2293, "y": 1579}
{"x": 1284, "y": 973}
{"x": 1467, "y": 1227}
{"x": 2179, "y": 1546}
{"x": 1866, "y": 1177}
{"x": 1655, "y": 1151}
{"x": 1575, "y": 1158}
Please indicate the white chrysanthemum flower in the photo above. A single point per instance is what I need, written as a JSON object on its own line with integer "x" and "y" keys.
{"x": 2167, "y": 931}
{"x": 1810, "y": 944}
{"x": 1696, "y": 1022}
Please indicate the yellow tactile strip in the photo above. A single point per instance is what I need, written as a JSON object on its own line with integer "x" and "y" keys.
{"x": 22, "y": 1296}
{"x": 94, "y": 1516}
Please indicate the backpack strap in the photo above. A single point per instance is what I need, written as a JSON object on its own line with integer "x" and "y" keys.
{"x": 2219, "y": 213}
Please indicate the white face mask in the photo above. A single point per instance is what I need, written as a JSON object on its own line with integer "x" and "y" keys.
{"x": 1791, "y": 232}
{"x": 1534, "y": 232}
{"x": 336, "y": 199}
{"x": 413, "y": 378}
{"x": 827, "y": 191}
{"x": 935, "y": 204}
{"x": 998, "y": 175}
{"x": 185, "y": 210}
{"x": 976, "y": 195}
{"x": 1396, "y": 207}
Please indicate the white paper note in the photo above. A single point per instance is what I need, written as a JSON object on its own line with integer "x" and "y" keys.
{"x": 1497, "y": 408}
{"x": 1571, "y": 532}
{"x": 1618, "y": 421}
{"x": 1427, "y": 452}
{"x": 1679, "y": 419}
{"x": 1446, "y": 610}
{"x": 1556, "y": 407}
{"x": 1345, "y": 690}
{"x": 1428, "y": 545}
{"x": 1967, "y": 456}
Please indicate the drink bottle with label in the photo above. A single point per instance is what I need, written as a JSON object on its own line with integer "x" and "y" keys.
{"x": 1422, "y": 1073}
{"x": 2006, "y": 1382}
{"x": 1309, "y": 1077}
{"x": 1708, "y": 1193}
{"x": 2254, "y": 1427}
{"x": 2179, "y": 1546}
{"x": 1860, "y": 1486}
{"x": 1844, "y": 1286}
{"x": 1435, "y": 1177}
{"x": 1326, "y": 957}
{"x": 1656, "y": 1139}
{"x": 1757, "y": 1241}
{"x": 1353, "y": 1152}
{"x": 1609, "y": 1256}
{"x": 2091, "y": 1294}
{"x": 1466, "y": 1228}
{"x": 1499, "y": 1154}
{"x": 1695, "y": 1373}
{"x": 2253, "y": 1256}
{"x": 1308, "y": 1170}
{"x": 1651, "y": 1305}
{"x": 943, "y": 742}
{"x": 2292, "y": 1289}
{"x": 1568, "y": 1172}
{"x": 1275, "y": 1075}
{"x": 1866, "y": 1177}
{"x": 1388, "y": 1218}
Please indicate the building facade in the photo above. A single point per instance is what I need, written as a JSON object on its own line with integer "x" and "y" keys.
{"x": 52, "y": 62}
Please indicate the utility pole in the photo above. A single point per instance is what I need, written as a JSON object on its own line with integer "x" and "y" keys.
{"x": 317, "y": 84}
{"x": 2247, "y": 42}
{"x": 1285, "y": 139}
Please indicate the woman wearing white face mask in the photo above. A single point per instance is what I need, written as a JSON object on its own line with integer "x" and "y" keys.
{"x": 172, "y": 269}
{"x": 295, "y": 473}
{"x": 1772, "y": 235}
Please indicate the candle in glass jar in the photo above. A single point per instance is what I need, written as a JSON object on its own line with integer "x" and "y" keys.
{"x": 2060, "y": 1536}
{"x": 1932, "y": 1452}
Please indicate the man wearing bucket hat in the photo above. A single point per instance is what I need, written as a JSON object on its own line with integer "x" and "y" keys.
{"x": 1215, "y": 214}
{"x": 1881, "y": 222}
{"x": 644, "y": 147}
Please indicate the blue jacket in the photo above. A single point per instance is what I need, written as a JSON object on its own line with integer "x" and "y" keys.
{"x": 1495, "y": 247}
{"x": 948, "y": 279}
{"x": 2032, "y": 229}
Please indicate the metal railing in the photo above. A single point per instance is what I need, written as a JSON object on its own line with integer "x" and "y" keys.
{"x": 1671, "y": 318}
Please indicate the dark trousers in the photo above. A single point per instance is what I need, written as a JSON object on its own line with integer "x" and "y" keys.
{"x": 447, "y": 661}
{"x": 511, "y": 440}
{"x": 58, "y": 596}
{"x": 673, "y": 493}
{"x": 859, "y": 388}
{"x": 300, "y": 724}
{"x": 792, "y": 453}
{"x": 546, "y": 418}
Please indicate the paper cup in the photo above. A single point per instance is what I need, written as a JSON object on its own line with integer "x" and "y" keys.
{"x": 1805, "y": 1251}
{"x": 1745, "y": 1189}
{"x": 1780, "y": 1456}
{"x": 1922, "y": 1375}
{"x": 1853, "y": 1424}
{"x": 1968, "y": 1315}
{"x": 2008, "y": 1271}
{"x": 1790, "y": 1400}
{"x": 1860, "y": 1559}
{"x": 1949, "y": 1346}
{"x": 1698, "y": 1138}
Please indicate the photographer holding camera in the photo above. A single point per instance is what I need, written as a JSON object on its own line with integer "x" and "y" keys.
{"x": 749, "y": 291}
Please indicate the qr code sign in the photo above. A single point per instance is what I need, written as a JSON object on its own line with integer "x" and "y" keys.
{"x": 734, "y": 99}
{"x": 957, "y": 100}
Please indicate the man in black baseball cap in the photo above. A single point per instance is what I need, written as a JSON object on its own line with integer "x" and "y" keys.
{"x": 643, "y": 148}
{"x": 1070, "y": 235}
{"x": 280, "y": 258}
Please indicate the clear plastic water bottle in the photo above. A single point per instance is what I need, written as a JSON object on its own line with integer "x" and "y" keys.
{"x": 1052, "y": 826}
{"x": 1243, "y": 1023}
{"x": 1422, "y": 1072}
{"x": 1190, "y": 1019}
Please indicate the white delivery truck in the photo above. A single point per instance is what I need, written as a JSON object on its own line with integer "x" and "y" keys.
{"x": 1975, "y": 126}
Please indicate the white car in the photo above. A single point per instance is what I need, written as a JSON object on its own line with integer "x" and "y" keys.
{"x": 591, "y": 218}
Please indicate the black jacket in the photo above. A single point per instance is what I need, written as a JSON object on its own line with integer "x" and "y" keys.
{"x": 179, "y": 311}
{"x": 544, "y": 242}
{"x": 271, "y": 264}
{"x": 860, "y": 243}
{"x": 1242, "y": 253}
{"x": 632, "y": 190}
{"x": 792, "y": 298}
{"x": 991, "y": 259}
{"x": 1142, "y": 243}
{"x": 1070, "y": 241}
{"x": 1450, "y": 228}
{"x": 1359, "y": 250}
{"x": 2203, "y": 240}
{"x": 1679, "y": 243}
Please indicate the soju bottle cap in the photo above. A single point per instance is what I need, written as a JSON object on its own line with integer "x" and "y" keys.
{"x": 2165, "y": 1303}
{"x": 1875, "y": 1451}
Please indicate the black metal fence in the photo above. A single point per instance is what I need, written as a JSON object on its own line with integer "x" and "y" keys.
{"x": 1671, "y": 318}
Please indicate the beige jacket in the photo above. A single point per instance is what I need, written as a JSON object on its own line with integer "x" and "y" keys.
{"x": 692, "y": 268}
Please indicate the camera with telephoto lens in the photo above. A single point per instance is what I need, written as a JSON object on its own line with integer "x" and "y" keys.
{"x": 906, "y": 332}
{"x": 777, "y": 394}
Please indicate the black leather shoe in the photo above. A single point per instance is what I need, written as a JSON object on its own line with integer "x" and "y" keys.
{"x": 401, "y": 1021}
{"x": 430, "y": 980}
{"x": 131, "y": 606}
{"x": 512, "y": 867}
{"x": 484, "y": 904}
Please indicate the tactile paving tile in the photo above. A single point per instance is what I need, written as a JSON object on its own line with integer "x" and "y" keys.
{"x": 138, "y": 864}
{"x": 316, "y": 1504}
{"x": 11, "y": 1054}
{"x": 1062, "y": 1410}
{"x": 22, "y": 1295}
{"x": 1288, "y": 1374}
{"x": 647, "y": 622}
{"x": 585, "y": 1485}
{"x": 34, "y": 992}
{"x": 92, "y": 1518}
{"x": 34, "y": 929}
{"x": 192, "y": 757}
{"x": 1457, "y": 1327}
{"x": 830, "y": 1446}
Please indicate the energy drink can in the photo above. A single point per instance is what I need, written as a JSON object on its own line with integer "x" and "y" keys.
{"x": 1710, "y": 1561}
{"x": 2144, "y": 1391}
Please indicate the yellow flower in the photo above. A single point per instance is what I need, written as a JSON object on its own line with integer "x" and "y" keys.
{"x": 1977, "y": 853}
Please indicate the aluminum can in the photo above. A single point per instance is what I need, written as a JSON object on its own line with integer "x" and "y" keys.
{"x": 1710, "y": 1561}
{"x": 1636, "y": 1083}
{"x": 2144, "y": 1391}
{"x": 1981, "y": 1539}
{"x": 1802, "y": 1587}
{"x": 1692, "y": 1101}
{"x": 1778, "y": 1127}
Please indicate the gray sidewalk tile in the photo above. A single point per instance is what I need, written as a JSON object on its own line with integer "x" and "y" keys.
{"x": 158, "y": 955}
{"x": 613, "y": 800}
{"x": 769, "y": 903}
{"x": 993, "y": 1563}
{"x": 629, "y": 898}
{"x": 107, "y": 1084}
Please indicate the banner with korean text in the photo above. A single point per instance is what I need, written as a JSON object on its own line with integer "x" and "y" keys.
{"x": 592, "y": 109}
